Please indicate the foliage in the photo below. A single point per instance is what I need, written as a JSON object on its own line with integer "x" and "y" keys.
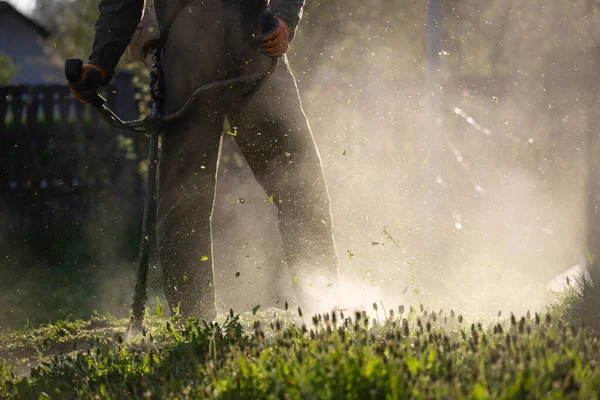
{"x": 7, "y": 69}
{"x": 419, "y": 354}
{"x": 73, "y": 29}
{"x": 73, "y": 33}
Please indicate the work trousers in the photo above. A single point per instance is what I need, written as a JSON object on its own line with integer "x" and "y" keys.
{"x": 206, "y": 43}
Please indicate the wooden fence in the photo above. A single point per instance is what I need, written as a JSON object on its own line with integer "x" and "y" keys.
{"x": 58, "y": 158}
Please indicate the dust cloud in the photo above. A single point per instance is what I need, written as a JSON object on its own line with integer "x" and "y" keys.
{"x": 509, "y": 199}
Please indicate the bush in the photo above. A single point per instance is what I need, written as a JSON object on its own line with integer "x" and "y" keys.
{"x": 7, "y": 69}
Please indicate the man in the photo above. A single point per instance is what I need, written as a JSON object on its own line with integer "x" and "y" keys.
{"x": 205, "y": 41}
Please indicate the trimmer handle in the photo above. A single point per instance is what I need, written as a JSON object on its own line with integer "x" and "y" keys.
{"x": 267, "y": 21}
{"x": 73, "y": 69}
{"x": 73, "y": 72}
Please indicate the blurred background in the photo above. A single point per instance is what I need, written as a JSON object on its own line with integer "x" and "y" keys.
{"x": 459, "y": 141}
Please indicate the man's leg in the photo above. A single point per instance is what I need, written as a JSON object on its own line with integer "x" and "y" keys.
{"x": 186, "y": 193}
{"x": 275, "y": 137}
{"x": 189, "y": 154}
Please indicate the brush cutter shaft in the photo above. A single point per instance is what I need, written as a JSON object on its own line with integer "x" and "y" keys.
{"x": 153, "y": 126}
{"x": 141, "y": 286}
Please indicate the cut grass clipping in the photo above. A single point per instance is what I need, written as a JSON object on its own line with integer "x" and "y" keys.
{"x": 278, "y": 354}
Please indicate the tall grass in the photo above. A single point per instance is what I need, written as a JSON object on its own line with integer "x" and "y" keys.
{"x": 276, "y": 354}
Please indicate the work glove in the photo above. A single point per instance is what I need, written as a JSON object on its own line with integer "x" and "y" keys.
{"x": 84, "y": 79}
{"x": 276, "y": 42}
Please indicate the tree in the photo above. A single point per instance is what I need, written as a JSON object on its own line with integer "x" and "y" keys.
{"x": 72, "y": 25}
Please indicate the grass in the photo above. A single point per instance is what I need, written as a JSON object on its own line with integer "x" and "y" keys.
{"x": 277, "y": 354}
{"x": 579, "y": 304}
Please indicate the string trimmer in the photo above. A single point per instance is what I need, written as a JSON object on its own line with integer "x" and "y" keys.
{"x": 151, "y": 126}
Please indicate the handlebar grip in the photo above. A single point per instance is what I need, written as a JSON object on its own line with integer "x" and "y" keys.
{"x": 73, "y": 69}
{"x": 267, "y": 21}
{"x": 73, "y": 72}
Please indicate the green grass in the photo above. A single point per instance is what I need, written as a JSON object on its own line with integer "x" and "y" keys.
{"x": 579, "y": 304}
{"x": 278, "y": 354}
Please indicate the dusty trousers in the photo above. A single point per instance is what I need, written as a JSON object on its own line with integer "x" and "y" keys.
{"x": 207, "y": 42}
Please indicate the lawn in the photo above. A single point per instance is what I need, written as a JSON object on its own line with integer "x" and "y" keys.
{"x": 404, "y": 352}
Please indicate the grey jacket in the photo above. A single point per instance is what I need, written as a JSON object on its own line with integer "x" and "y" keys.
{"x": 119, "y": 19}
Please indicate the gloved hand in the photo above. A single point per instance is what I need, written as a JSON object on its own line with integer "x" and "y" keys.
{"x": 276, "y": 43}
{"x": 84, "y": 79}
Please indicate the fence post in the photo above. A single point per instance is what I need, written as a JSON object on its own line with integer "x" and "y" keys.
{"x": 125, "y": 104}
